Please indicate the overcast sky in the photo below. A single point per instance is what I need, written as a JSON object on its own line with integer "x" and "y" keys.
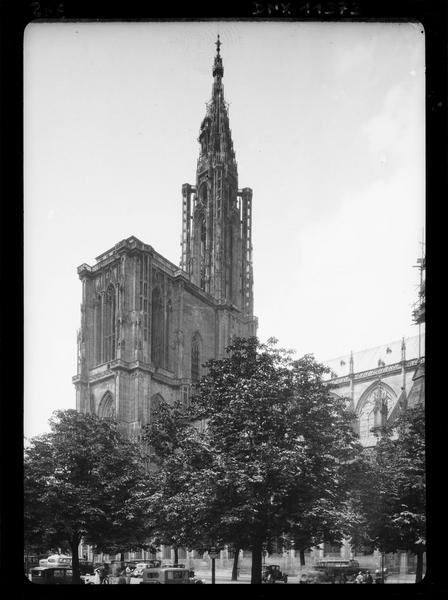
{"x": 327, "y": 122}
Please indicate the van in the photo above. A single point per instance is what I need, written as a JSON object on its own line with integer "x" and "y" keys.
{"x": 52, "y": 575}
{"x": 167, "y": 575}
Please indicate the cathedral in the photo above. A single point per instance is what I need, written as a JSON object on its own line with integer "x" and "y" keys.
{"x": 380, "y": 382}
{"x": 148, "y": 325}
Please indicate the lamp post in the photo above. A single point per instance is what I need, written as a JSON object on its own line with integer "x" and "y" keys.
{"x": 213, "y": 553}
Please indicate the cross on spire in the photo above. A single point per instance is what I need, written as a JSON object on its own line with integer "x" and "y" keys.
{"x": 218, "y": 44}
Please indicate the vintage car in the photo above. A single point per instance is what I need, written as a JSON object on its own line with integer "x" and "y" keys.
{"x": 52, "y": 575}
{"x": 140, "y": 566}
{"x": 338, "y": 570}
{"x": 56, "y": 560}
{"x": 272, "y": 573}
{"x": 312, "y": 576}
{"x": 169, "y": 575}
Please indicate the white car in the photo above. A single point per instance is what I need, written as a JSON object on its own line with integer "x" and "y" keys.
{"x": 139, "y": 569}
{"x": 91, "y": 579}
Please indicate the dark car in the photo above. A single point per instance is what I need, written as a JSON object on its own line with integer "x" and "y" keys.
{"x": 52, "y": 575}
{"x": 272, "y": 573}
{"x": 338, "y": 570}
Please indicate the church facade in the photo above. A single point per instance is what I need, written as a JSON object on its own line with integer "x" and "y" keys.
{"x": 148, "y": 325}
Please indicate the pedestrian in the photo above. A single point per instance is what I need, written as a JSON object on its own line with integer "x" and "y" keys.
{"x": 359, "y": 578}
{"x": 368, "y": 577}
{"x": 102, "y": 573}
{"x": 122, "y": 577}
{"x": 128, "y": 570}
{"x": 303, "y": 578}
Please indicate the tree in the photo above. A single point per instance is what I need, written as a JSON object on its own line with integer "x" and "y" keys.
{"x": 275, "y": 446}
{"x": 180, "y": 497}
{"x": 393, "y": 499}
{"x": 83, "y": 480}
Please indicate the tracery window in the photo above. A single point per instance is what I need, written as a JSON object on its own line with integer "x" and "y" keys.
{"x": 154, "y": 405}
{"x": 157, "y": 327}
{"x": 109, "y": 324}
{"x": 143, "y": 292}
{"x": 106, "y": 407}
{"x": 375, "y": 407}
{"x": 202, "y": 253}
{"x": 195, "y": 357}
{"x": 169, "y": 310}
{"x": 98, "y": 330}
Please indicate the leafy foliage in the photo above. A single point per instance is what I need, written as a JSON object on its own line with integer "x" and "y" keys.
{"x": 391, "y": 494}
{"x": 270, "y": 462}
{"x": 83, "y": 480}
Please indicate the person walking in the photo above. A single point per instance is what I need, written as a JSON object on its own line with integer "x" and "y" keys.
{"x": 359, "y": 578}
{"x": 368, "y": 577}
{"x": 122, "y": 579}
{"x": 378, "y": 578}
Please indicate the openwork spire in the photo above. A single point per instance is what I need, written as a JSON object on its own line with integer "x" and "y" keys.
{"x": 217, "y": 216}
{"x": 218, "y": 69}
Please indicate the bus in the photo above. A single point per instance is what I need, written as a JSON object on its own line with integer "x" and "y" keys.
{"x": 56, "y": 560}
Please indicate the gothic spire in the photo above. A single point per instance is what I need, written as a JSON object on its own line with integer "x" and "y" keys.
{"x": 215, "y": 135}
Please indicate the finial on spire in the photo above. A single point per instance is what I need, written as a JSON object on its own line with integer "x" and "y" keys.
{"x": 218, "y": 69}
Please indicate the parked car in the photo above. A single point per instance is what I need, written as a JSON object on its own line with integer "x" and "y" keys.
{"x": 139, "y": 567}
{"x": 272, "y": 573}
{"x": 313, "y": 576}
{"x": 92, "y": 578}
{"x": 169, "y": 575}
{"x": 86, "y": 568}
{"x": 52, "y": 575}
{"x": 338, "y": 570}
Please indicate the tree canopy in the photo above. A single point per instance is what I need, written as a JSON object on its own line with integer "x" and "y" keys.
{"x": 272, "y": 458}
{"x": 392, "y": 494}
{"x": 83, "y": 480}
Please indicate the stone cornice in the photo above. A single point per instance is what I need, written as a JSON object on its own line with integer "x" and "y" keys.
{"x": 375, "y": 373}
{"x": 110, "y": 369}
{"x": 129, "y": 246}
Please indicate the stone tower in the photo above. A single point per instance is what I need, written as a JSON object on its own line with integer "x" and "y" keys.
{"x": 217, "y": 216}
{"x": 148, "y": 326}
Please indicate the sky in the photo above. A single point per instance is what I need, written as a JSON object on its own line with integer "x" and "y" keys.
{"x": 328, "y": 127}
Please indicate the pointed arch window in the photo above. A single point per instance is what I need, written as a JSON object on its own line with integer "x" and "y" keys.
{"x": 157, "y": 327}
{"x": 169, "y": 310}
{"x": 154, "y": 404}
{"x": 106, "y": 407}
{"x": 195, "y": 357}
{"x": 374, "y": 407}
{"x": 202, "y": 252}
{"x": 98, "y": 330}
{"x": 109, "y": 324}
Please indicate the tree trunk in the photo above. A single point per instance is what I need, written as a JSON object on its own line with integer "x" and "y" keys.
{"x": 176, "y": 555}
{"x": 257, "y": 553}
{"x": 419, "y": 569}
{"x": 74, "y": 545}
{"x": 302, "y": 557}
{"x": 235, "y": 565}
